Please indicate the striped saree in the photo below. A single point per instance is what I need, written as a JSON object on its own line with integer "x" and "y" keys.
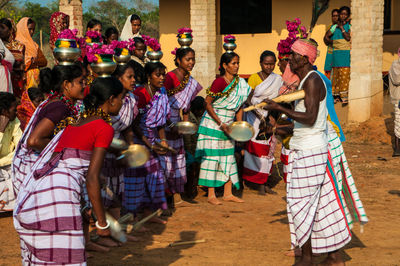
{"x": 216, "y": 149}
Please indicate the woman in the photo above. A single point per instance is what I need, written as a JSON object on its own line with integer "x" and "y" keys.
{"x": 144, "y": 186}
{"x": 94, "y": 25}
{"x": 59, "y": 21}
{"x": 10, "y": 134}
{"x": 131, "y": 28}
{"x": 34, "y": 58}
{"x": 66, "y": 83}
{"x": 27, "y": 107}
{"x": 341, "y": 55}
{"x": 6, "y": 65}
{"x": 31, "y": 99}
{"x": 111, "y": 35}
{"x": 17, "y": 49}
{"x": 71, "y": 160}
{"x": 138, "y": 61}
{"x": 215, "y": 148}
{"x": 328, "y": 41}
{"x": 112, "y": 170}
{"x": 181, "y": 90}
{"x": 259, "y": 153}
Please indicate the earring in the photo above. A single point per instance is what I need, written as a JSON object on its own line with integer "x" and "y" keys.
{"x": 112, "y": 104}
{"x": 148, "y": 82}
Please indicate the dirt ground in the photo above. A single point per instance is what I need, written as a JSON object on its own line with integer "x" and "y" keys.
{"x": 256, "y": 232}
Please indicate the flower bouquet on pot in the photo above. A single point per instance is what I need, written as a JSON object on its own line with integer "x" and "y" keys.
{"x": 153, "y": 49}
{"x": 101, "y": 59}
{"x": 66, "y": 50}
{"x": 185, "y": 37}
{"x": 93, "y": 37}
{"x": 123, "y": 50}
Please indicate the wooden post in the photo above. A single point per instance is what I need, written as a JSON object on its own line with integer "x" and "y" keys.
{"x": 41, "y": 40}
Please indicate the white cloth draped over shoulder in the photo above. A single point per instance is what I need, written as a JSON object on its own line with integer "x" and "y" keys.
{"x": 5, "y": 68}
{"x": 126, "y": 33}
{"x": 258, "y": 157}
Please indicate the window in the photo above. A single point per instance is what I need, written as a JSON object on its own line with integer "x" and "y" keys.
{"x": 391, "y": 20}
{"x": 250, "y": 16}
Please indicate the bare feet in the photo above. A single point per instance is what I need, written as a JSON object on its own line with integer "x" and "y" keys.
{"x": 91, "y": 246}
{"x": 157, "y": 220}
{"x": 294, "y": 253}
{"x": 214, "y": 201}
{"x": 107, "y": 242}
{"x": 177, "y": 199}
{"x": 232, "y": 198}
{"x": 132, "y": 238}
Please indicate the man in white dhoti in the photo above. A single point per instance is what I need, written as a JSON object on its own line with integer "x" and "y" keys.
{"x": 316, "y": 217}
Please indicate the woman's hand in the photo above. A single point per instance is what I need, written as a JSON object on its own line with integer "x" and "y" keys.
{"x": 225, "y": 128}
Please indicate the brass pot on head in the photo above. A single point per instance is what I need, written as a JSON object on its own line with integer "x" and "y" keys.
{"x": 67, "y": 55}
{"x": 154, "y": 56}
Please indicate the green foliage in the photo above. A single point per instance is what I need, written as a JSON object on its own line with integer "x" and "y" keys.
{"x": 114, "y": 13}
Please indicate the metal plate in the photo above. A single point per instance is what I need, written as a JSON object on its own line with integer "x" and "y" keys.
{"x": 186, "y": 128}
{"x": 241, "y": 131}
{"x": 136, "y": 155}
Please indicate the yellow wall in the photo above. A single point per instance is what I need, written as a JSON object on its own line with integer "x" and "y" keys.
{"x": 176, "y": 13}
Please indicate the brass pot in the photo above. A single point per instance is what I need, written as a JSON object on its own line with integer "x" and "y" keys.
{"x": 229, "y": 47}
{"x": 66, "y": 55}
{"x": 104, "y": 69}
{"x": 185, "y": 42}
{"x": 122, "y": 59}
{"x": 136, "y": 155}
{"x": 186, "y": 128}
{"x": 154, "y": 56}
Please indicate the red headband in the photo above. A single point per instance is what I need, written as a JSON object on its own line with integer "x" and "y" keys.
{"x": 305, "y": 48}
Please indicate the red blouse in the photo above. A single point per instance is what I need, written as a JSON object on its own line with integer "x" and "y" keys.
{"x": 171, "y": 81}
{"x": 218, "y": 85}
{"x": 143, "y": 96}
{"x": 95, "y": 134}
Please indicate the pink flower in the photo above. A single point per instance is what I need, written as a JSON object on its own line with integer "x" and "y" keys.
{"x": 174, "y": 51}
{"x": 185, "y": 30}
{"x": 298, "y": 21}
{"x": 95, "y": 36}
{"x": 153, "y": 44}
{"x": 68, "y": 34}
{"x": 229, "y": 38}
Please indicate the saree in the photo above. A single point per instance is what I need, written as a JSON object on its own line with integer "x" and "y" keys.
{"x": 114, "y": 173}
{"x": 18, "y": 51}
{"x": 214, "y": 148}
{"x": 56, "y": 26}
{"x": 341, "y": 63}
{"x": 259, "y": 154}
{"x": 174, "y": 165}
{"x": 47, "y": 215}
{"x": 25, "y": 110}
{"x": 34, "y": 57}
{"x": 126, "y": 33}
{"x": 6, "y": 65}
{"x": 145, "y": 185}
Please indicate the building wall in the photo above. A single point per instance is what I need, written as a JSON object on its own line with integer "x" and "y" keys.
{"x": 176, "y": 13}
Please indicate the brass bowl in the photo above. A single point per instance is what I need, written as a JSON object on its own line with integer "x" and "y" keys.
{"x": 115, "y": 228}
{"x": 122, "y": 59}
{"x": 154, "y": 56}
{"x": 241, "y": 131}
{"x": 185, "y": 42}
{"x": 136, "y": 155}
{"x": 104, "y": 69}
{"x": 186, "y": 128}
{"x": 66, "y": 56}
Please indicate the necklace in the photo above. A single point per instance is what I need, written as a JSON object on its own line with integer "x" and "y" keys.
{"x": 70, "y": 105}
{"x": 181, "y": 86}
{"x": 226, "y": 93}
{"x": 85, "y": 114}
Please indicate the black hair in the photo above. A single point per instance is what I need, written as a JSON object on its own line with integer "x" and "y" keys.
{"x": 345, "y": 8}
{"x": 93, "y": 22}
{"x": 120, "y": 70}
{"x": 226, "y": 58}
{"x": 6, "y": 22}
{"x": 181, "y": 53}
{"x": 335, "y": 10}
{"x": 52, "y": 80}
{"x": 140, "y": 76}
{"x": 110, "y": 31}
{"x": 101, "y": 90}
{"x": 150, "y": 67}
{"x": 6, "y": 100}
{"x": 35, "y": 93}
{"x": 30, "y": 21}
{"x": 267, "y": 53}
{"x": 138, "y": 40}
{"x": 135, "y": 17}
{"x": 197, "y": 103}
